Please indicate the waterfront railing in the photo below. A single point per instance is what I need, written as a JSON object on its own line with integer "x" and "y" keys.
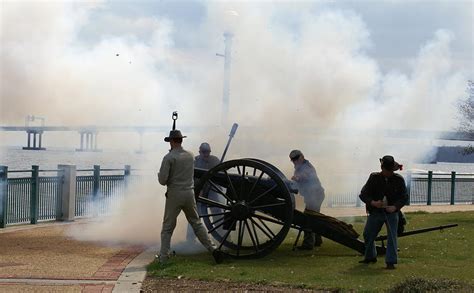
{"x": 424, "y": 188}
{"x": 30, "y": 196}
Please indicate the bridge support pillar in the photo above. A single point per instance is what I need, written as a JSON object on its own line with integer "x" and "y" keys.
{"x": 90, "y": 143}
{"x": 36, "y": 147}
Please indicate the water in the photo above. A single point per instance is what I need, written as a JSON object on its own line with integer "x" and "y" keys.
{"x": 18, "y": 159}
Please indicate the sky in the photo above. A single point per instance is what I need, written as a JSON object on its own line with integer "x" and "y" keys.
{"x": 295, "y": 66}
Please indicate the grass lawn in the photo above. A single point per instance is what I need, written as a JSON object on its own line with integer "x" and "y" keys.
{"x": 434, "y": 255}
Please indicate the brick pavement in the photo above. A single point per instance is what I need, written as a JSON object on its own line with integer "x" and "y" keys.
{"x": 44, "y": 259}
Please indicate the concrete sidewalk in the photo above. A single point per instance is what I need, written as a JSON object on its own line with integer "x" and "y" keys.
{"x": 42, "y": 258}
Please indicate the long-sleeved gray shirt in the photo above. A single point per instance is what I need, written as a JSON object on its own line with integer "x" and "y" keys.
{"x": 206, "y": 163}
{"x": 309, "y": 186}
{"x": 177, "y": 170}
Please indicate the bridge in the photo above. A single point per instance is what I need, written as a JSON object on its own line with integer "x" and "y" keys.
{"x": 88, "y": 134}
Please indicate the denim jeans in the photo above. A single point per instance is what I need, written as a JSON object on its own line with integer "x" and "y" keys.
{"x": 374, "y": 224}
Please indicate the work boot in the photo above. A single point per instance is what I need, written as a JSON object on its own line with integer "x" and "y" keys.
{"x": 162, "y": 259}
{"x": 304, "y": 247}
{"x": 390, "y": 266}
{"x": 218, "y": 256}
{"x": 368, "y": 260}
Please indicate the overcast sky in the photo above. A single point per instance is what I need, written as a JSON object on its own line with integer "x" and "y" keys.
{"x": 329, "y": 58}
{"x": 397, "y": 28}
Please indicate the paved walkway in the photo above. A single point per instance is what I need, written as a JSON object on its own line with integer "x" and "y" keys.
{"x": 42, "y": 258}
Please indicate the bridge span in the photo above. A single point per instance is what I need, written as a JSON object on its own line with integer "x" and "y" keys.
{"x": 88, "y": 134}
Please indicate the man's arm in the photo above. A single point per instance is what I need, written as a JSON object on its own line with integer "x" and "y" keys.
{"x": 164, "y": 172}
{"x": 365, "y": 194}
{"x": 403, "y": 196}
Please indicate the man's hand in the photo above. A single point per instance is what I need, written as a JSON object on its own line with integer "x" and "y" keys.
{"x": 377, "y": 204}
{"x": 391, "y": 209}
{"x": 294, "y": 178}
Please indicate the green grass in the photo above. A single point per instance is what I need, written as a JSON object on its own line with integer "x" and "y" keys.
{"x": 446, "y": 255}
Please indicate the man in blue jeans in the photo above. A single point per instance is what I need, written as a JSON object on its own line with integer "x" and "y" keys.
{"x": 384, "y": 194}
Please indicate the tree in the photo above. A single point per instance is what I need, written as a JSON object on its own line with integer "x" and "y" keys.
{"x": 466, "y": 109}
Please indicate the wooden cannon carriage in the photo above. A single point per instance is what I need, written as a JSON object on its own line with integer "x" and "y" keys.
{"x": 248, "y": 207}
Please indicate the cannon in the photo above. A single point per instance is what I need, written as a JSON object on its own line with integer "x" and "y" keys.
{"x": 248, "y": 207}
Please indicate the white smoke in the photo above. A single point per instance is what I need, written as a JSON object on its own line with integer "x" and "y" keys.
{"x": 301, "y": 78}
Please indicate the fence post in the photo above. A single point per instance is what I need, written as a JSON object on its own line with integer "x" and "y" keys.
{"x": 126, "y": 174}
{"x": 430, "y": 183}
{"x": 96, "y": 187}
{"x": 3, "y": 196}
{"x": 68, "y": 193}
{"x": 453, "y": 186}
{"x": 408, "y": 187}
{"x": 96, "y": 181}
{"x": 34, "y": 196}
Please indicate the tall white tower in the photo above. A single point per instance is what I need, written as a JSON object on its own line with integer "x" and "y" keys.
{"x": 227, "y": 61}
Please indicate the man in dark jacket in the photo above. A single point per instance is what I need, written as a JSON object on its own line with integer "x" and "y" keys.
{"x": 384, "y": 194}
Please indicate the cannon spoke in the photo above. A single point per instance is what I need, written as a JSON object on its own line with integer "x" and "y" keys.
{"x": 212, "y": 203}
{"x": 226, "y": 236}
{"x": 212, "y": 215}
{"x": 242, "y": 183}
{"x": 251, "y": 236}
{"x": 220, "y": 225}
{"x": 261, "y": 229}
{"x": 217, "y": 189}
{"x": 282, "y": 203}
{"x": 256, "y": 182}
{"x": 262, "y": 217}
{"x": 263, "y": 194}
{"x": 240, "y": 237}
{"x": 231, "y": 185}
{"x": 268, "y": 228}
{"x": 255, "y": 233}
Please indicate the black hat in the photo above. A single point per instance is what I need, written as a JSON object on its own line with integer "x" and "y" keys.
{"x": 388, "y": 163}
{"x": 174, "y": 134}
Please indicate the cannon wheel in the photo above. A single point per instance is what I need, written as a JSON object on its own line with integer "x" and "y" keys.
{"x": 253, "y": 211}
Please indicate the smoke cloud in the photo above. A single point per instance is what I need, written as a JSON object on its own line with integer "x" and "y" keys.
{"x": 302, "y": 77}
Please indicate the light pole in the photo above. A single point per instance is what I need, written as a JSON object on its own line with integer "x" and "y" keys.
{"x": 227, "y": 61}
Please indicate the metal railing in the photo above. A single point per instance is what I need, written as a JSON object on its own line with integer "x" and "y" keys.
{"x": 423, "y": 188}
{"x": 97, "y": 191}
{"x": 27, "y": 197}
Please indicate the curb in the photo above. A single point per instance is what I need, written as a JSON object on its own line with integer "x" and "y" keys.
{"x": 134, "y": 273}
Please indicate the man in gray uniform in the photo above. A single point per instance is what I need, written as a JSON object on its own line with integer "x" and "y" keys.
{"x": 204, "y": 161}
{"x": 177, "y": 172}
{"x": 311, "y": 189}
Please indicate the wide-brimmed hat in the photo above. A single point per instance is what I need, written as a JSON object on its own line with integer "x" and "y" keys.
{"x": 388, "y": 162}
{"x": 174, "y": 134}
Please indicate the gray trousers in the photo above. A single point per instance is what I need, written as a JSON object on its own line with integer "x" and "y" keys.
{"x": 311, "y": 239}
{"x": 177, "y": 201}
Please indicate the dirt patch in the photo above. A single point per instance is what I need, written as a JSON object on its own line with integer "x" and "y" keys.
{"x": 187, "y": 285}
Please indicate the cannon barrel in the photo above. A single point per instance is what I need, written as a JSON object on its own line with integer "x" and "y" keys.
{"x": 418, "y": 231}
